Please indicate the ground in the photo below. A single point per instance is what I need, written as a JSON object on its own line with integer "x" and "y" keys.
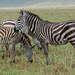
{"x": 62, "y": 58}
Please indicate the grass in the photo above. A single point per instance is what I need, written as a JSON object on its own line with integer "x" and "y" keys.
{"x": 62, "y": 58}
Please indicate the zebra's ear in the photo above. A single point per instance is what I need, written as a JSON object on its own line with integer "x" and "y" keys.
{"x": 21, "y": 12}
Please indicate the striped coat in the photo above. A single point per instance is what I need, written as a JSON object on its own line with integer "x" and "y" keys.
{"x": 9, "y": 23}
{"x": 55, "y": 33}
{"x": 8, "y": 36}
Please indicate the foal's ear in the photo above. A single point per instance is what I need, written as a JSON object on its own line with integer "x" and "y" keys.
{"x": 21, "y": 12}
{"x": 33, "y": 46}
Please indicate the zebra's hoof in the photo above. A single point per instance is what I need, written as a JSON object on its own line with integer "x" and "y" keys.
{"x": 40, "y": 48}
{"x": 2, "y": 57}
{"x": 30, "y": 61}
{"x": 47, "y": 62}
{"x": 20, "y": 54}
{"x": 9, "y": 55}
{"x": 10, "y": 62}
{"x": 13, "y": 61}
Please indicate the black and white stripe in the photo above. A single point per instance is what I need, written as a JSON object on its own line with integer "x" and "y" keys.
{"x": 9, "y": 22}
{"x": 8, "y": 36}
{"x": 47, "y": 32}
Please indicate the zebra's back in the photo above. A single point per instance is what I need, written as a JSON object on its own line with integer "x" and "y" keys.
{"x": 56, "y": 33}
{"x": 63, "y": 31}
{"x": 7, "y": 35}
{"x": 9, "y": 22}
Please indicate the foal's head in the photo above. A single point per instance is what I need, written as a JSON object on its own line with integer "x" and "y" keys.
{"x": 28, "y": 47}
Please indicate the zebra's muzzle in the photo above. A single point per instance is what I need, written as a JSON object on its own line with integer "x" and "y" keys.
{"x": 15, "y": 30}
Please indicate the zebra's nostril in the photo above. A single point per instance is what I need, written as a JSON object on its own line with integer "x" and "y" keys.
{"x": 15, "y": 30}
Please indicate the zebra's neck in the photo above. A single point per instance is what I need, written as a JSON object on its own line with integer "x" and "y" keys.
{"x": 23, "y": 41}
{"x": 32, "y": 22}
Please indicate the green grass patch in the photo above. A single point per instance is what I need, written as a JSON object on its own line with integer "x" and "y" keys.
{"x": 62, "y": 58}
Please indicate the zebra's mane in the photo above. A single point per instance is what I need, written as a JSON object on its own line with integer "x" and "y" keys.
{"x": 27, "y": 37}
{"x": 30, "y": 13}
{"x": 47, "y": 22}
{"x": 35, "y": 15}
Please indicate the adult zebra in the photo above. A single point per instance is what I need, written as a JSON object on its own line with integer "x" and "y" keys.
{"x": 46, "y": 32}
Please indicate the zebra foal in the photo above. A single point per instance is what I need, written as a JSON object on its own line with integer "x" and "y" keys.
{"x": 9, "y": 23}
{"x": 55, "y": 33}
{"x": 8, "y": 36}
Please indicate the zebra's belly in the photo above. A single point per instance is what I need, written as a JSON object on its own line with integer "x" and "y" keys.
{"x": 60, "y": 42}
{"x": 6, "y": 41}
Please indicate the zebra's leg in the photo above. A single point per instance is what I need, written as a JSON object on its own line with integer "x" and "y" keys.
{"x": 2, "y": 51}
{"x": 37, "y": 43}
{"x": 46, "y": 52}
{"x": 12, "y": 53}
{"x": 20, "y": 49}
{"x": 7, "y": 48}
